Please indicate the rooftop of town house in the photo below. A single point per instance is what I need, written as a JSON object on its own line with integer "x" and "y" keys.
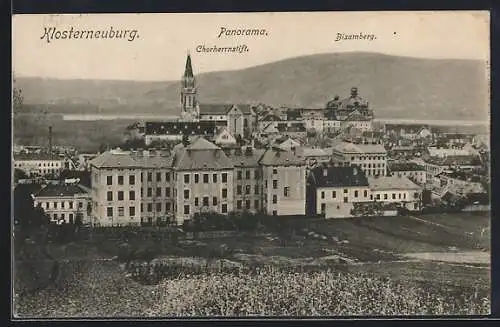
{"x": 461, "y": 175}
{"x": 37, "y": 157}
{"x": 331, "y": 176}
{"x": 404, "y": 166}
{"x": 346, "y": 147}
{"x": 214, "y": 108}
{"x": 201, "y": 154}
{"x": 382, "y": 183}
{"x": 133, "y": 159}
{"x": 276, "y": 157}
{"x": 314, "y": 152}
{"x": 247, "y": 157}
{"x": 455, "y": 160}
{"x": 179, "y": 127}
{"x": 61, "y": 190}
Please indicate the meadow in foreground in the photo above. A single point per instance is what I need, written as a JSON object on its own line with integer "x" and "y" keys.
{"x": 102, "y": 292}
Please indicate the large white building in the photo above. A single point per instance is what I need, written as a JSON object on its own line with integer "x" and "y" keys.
{"x": 39, "y": 164}
{"x": 144, "y": 186}
{"x": 65, "y": 202}
{"x": 371, "y": 158}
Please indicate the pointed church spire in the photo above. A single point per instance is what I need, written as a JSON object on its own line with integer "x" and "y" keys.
{"x": 188, "y": 72}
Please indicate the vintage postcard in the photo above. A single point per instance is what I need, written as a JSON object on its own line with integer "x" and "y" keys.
{"x": 302, "y": 164}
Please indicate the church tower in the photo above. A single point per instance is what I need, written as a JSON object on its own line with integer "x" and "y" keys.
{"x": 189, "y": 104}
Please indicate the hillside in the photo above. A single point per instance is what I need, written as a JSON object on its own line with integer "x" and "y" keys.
{"x": 397, "y": 87}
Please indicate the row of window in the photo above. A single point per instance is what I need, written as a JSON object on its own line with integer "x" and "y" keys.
{"x": 120, "y": 180}
{"x": 239, "y": 174}
{"x": 365, "y": 195}
{"x": 158, "y": 207}
{"x": 369, "y": 158}
{"x": 158, "y": 176}
{"x": 247, "y": 204}
{"x": 374, "y": 165}
{"x": 374, "y": 172}
{"x": 247, "y": 189}
{"x": 63, "y": 216}
{"x": 120, "y": 195}
{"x": 205, "y": 199}
{"x": 121, "y": 211}
{"x": 40, "y": 164}
{"x": 62, "y": 205}
{"x": 346, "y": 191}
{"x": 206, "y": 178}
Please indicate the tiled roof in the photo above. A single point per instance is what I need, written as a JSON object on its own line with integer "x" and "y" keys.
{"x": 212, "y": 159}
{"x": 313, "y": 152}
{"x": 274, "y": 157}
{"x": 246, "y": 158}
{"x": 392, "y": 183}
{"x": 245, "y": 108}
{"x": 214, "y": 108}
{"x": 405, "y": 166}
{"x": 201, "y": 143}
{"x": 36, "y": 156}
{"x": 338, "y": 176}
{"x": 455, "y": 161}
{"x": 346, "y": 147}
{"x": 127, "y": 159}
{"x": 56, "y": 190}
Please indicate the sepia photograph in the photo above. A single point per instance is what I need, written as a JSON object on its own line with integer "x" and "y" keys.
{"x": 251, "y": 165}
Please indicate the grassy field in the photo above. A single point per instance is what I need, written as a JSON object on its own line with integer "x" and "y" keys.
{"x": 379, "y": 279}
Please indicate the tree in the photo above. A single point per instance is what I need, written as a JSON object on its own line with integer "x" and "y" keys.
{"x": 19, "y": 174}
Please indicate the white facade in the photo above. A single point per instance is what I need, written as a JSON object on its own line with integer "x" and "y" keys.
{"x": 284, "y": 190}
{"x": 116, "y": 196}
{"x": 337, "y": 202}
{"x": 66, "y": 207}
{"x": 33, "y": 167}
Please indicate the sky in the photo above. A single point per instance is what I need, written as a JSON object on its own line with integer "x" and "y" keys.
{"x": 158, "y": 51}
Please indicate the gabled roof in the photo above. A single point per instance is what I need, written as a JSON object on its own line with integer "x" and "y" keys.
{"x": 59, "y": 190}
{"x": 247, "y": 158}
{"x": 201, "y": 159}
{"x": 109, "y": 159}
{"x": 214, "y": 108}
{"x": 127, "y": 159}
{"x": 275, "y": 157}
{"x": 36, "y": 156}
{"x": 405, "y": 166}
{"x": 392, "y": 183}
{"x": 245, "y": 108}
{"x": 201, "y": 143}
{"x": 346, "y": 147}
{"x": 338, "y": 176}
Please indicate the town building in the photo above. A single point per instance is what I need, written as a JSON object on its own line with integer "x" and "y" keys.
{"x": 248, "y": 185}
{"x": 65, "y": 202}
{"x": 371, "y": 158}
{"x": 39, "y": 164}
{"x": 396, "y": 190}
{"x": 176, "y": 130}
{"x": 134, "y": 187}
{"x": 332, "y": 191}
{"x": 284, "y": 179}
{"x": 436, "y": 165}
{"x": 411, "y": 170}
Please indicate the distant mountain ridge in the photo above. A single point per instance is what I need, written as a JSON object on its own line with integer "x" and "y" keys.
{"x": 396, "y": 87}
